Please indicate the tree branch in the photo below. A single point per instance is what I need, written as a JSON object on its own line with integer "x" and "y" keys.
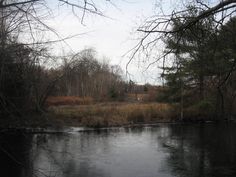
{"x": 17, "y": 3}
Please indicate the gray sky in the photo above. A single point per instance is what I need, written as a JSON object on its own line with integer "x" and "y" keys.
{"x": 111, "y": 37}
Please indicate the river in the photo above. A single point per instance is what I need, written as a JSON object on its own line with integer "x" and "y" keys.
{"x": 164, "y": 150}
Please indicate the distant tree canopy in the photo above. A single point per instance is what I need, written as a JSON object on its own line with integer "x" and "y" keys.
{"x": 85, "y": 76}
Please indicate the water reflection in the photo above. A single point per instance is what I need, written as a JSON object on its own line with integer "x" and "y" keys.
{"x": 15, "y": 158}
{"x": 164, "y": 150}
{"x": 201, "y": 150}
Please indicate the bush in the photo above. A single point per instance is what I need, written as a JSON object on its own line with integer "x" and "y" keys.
{"x": 203, "y": 109}
{"x": 205, "y": 106}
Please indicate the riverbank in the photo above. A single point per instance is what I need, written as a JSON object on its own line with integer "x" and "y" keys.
{"x": 94, "y": 115}
{"x": 97, "y": 115}
{"x": 114, "y": 114}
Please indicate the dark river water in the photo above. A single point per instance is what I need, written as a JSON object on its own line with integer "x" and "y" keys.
{"x": 165, "y": 150}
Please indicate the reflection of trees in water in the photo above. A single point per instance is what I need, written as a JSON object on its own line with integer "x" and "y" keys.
{"x": 44, "y": 155}
{"x": 68, "y": 155}
{"x": 83, "y": 154}
{"x": 201, "y": 150}
{"x": 15, "y": 158}
{"x": 190, "y": 150}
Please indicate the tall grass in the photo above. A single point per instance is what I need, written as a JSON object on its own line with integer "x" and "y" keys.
{"x": 115, "y": 114}
{"x": 68, "y": 100}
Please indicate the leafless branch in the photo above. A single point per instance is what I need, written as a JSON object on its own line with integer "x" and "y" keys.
{"x": 159, "y": 27}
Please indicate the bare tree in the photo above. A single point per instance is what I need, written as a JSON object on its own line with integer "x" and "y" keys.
{"x": 85, "y": 76}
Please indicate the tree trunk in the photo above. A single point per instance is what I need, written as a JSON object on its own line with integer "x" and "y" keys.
{"x": 222, "y": 104}
{"x": 201, "y": 87}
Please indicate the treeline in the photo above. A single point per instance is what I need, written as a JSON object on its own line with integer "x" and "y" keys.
{"x": 84, "y": 75}
{"x": 202, "y": 77}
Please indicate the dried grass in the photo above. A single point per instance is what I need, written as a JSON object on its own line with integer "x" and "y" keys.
{"x": 68, "y": 100}
{"x": 115, "y": 114}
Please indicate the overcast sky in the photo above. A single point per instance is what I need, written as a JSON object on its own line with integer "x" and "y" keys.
{"x": 111, "y": 37}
